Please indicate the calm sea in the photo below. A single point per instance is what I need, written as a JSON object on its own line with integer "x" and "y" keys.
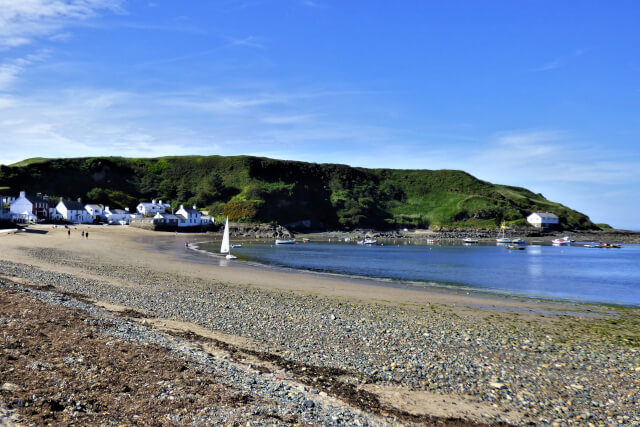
{"x": 574, "y": 273}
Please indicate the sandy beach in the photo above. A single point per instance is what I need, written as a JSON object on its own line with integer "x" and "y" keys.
{"x": 304, "y": 348}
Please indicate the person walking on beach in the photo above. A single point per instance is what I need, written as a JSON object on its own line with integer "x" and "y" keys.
{"x": 68, "y": 233}
{"x": 83, "y": 234}
{"x": 86, "y": 235}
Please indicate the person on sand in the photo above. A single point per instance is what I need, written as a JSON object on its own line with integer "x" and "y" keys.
{"x": 86, "y": 235}
{"x": 83, "y": 234}
{"x": 68, "y": 233}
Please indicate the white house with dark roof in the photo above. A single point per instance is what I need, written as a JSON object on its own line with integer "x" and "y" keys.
{"x": 96, "y": 211}
{"x": 543, "y": 219}
{"x": 73, "y": 212}
{"x": 115, "y": 216}
{"x": 30, "y": 206}
{"x": 189, "y": 217}
{"x": 150, "y": 209}
{"x": 166, "y": 219}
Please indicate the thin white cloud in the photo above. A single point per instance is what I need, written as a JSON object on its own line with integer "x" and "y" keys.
{"x": 286, "y": 119}
{"x": 23, "y": 21}
{"x": 561, "y": 62}
{"x": 248, "y": 41}
{"x": 10, "y": 70}
{"x": 551, "y": 156}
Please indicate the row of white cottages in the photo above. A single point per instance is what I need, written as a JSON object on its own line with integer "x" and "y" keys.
{"x": 27, "y": 209}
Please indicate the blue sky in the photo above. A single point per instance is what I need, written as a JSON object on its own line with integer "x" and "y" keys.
{"x": 540, "y": 94}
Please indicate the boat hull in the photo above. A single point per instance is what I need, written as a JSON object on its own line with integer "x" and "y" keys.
{"x": 285, "y": 242}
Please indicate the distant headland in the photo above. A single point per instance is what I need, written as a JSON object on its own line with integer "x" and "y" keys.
{"x": 299, "y": 195}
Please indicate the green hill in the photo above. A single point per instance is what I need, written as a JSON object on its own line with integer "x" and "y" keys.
{"x": 266, "y": 190}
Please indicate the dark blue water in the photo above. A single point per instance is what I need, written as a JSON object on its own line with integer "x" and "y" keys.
{"x": 575, "y": 273}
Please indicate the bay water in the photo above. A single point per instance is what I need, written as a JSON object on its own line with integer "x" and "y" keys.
{"x": 573, "y": 273}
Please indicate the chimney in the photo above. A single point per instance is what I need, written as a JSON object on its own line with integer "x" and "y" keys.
{"x": 194, "y": 206}
{"x": 106, "y": 208}
{"x": 23, "y": 194}
{"x": 181, "y": 206}
{"x": 126, "y": 209}
{"x": 153, "y": 201}
{"x": 160, "y": 202}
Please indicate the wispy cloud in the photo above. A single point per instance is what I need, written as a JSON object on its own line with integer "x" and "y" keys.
{"x": 23, "y": 21}
{"x": 560, "y": 62}
{"x": 286, "y": 119}
{"x": 249, "y": 41}
{"x": 11, "y": 69}
{"x": 552, "y": 156}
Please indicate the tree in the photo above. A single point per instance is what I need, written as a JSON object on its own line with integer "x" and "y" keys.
{"x": 210, "y": 189}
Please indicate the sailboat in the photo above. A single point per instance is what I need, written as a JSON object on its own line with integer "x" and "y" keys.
{"x": 224, "y": 247}
{"x": 503, "y": 239}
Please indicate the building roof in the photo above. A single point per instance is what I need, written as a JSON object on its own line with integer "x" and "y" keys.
{"x": 31, "y": 199}
{"x": 36, "y": 199}
{"x": 94, "y": 206}
{"x": 117, "y": 212}
{"x": 547, "y": 215}
{"x": 156, "y": 205}
{"x": 190, "y": 211}
{"x": 166, "y": 215}
{"x": 72, "y": 206}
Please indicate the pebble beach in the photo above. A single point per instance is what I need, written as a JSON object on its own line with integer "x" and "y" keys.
{"x": 322, "y": 351}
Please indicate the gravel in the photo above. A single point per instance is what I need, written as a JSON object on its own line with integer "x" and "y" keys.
{"x": 560, "y": 369}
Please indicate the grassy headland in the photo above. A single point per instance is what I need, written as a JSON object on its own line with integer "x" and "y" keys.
{"x": 318, "y": 196}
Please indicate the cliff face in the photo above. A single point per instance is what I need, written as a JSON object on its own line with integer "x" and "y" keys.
{"x": 305, "y": 195}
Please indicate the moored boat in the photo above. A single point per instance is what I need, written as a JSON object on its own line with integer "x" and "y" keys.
{"x": 368, "y": 242}
{"x": 561, "y": 241}
{"x": 609, "y": 245}
{"x": 502, "y": 239}
{"x": 285, "y": 241}
{"x": 224, "y": 246}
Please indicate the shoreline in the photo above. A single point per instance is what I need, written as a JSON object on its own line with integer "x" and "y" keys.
{"x": 520, "y": 361}
{"x": 399, "y": 283}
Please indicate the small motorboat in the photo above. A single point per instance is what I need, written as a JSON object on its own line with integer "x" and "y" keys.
{"x": 368, "y": 242}
{"x": 516, "y": 247}
{"x": 562, "y": 241}
{"x": 609, "y": 245}
{"x": 285, "y": 241}
{"x": 469, "y": 240}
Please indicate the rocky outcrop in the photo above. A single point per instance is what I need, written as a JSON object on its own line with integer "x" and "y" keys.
{"x": 259, "y": 231}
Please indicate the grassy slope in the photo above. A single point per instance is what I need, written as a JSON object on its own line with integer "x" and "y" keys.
{"x": 262, "y": 189}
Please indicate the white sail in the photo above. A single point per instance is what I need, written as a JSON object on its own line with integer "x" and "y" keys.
{"x": 224, "y": 248}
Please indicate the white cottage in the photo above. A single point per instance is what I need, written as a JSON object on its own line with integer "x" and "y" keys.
{"x": 166, "y": 219}
{"x": 543, "y": 219}
{"x": 74, "y": 212}
{"x": 30, "y": 206}
{"x": 115, "y": 216}
{"x": 96, "y": 211}
{"x": 150, "y": 209}
{"x": 189, "y": 217}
